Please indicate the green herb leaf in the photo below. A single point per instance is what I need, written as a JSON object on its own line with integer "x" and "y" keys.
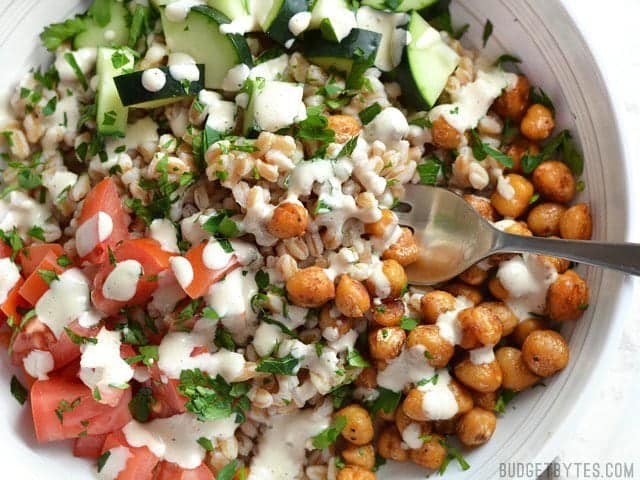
{"x": 369, "y": 113}
{"x": 506, "y": 58}
{"x": 19, "y": 392}
{"x": 12, "y": 239}
{"x": 55, "y": 34}
{"x": 538, "y": 95}
{"x": 228, "y": 471}
{"x": 140, "y": 24}
{"x": 63, "y": 261}
{"x": 102, "y": 460}
{"x": 426, "y": 381}
{"x": 224, "y": 339}
{"x": 100, "y": 10}
{"x": 206, "y": 444}
{"x": 315, "y": 127}
{"x": 279, "y": 366}
{"x": 119, "y": 59}
{"x": 262, "y": 279}
{"x": 356, "y": 360}
{"x": 387, "y": 401}
{"x": 408, "y": 323}
{"x": 71, "y": 60}
{"x": 221, "y": 225}
{"x": 348, "y": 148}
{"x": 486, "y": 33}
{"x": 141, "y": 403}
{"x": 36, "y": 232}
{"x": 50, "y": 107}
{"x": 329, "y": 435}
{"x": 453, "y": 454}
{"x": 341, "y": 395}
{"x": 429, "y": 171}
{"x": 481, "y": 150}
{"x": 79, "y": 339}
{"x": 48, "y": 276}
{"x": 504, "y": 397}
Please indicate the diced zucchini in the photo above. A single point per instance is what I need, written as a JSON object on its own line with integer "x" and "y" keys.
{"x": 405, "y": 5}
{"x": 273, "y": 105}
{"x": 133, "y": 93}
{"x": 340, "y": 56}
{"x": 231, "y": 8}
{"x": 113, "y": 34}
{"x": 275, "y": 21}
{"x": 393, "y": 39}
{"x": 199, "y": 36}
{"x": 111, "y": 115}
{"x": 427, "y": 64}
{"x": 334, "y": 18}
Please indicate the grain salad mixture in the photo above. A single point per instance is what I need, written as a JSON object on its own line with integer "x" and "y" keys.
{"x": 202, "y": 275}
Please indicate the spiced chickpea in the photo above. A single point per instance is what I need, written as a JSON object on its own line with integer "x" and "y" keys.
{"x": 438, "y": 351}
{"x": 386, "y": 343}
{"x": 517, "y": 204}
{"x": 485, "y": 400}
{"x": 402, "y": 421}
{"x": 545, "y": 352}
{"x": 396, "y": 279}
{"x": 242, "y": 473}
{"x": 519, "y": 149}
{"x": 389, "y": 313}
{"x": 361, "y": 456}
{"x": 431, "y": 454}
{"x": 461, "y": 289}
{"x": 476, "y": 427}
{"x": 567, "y": 297}
{"x": 519, "y": 228}
{"x": 444, "y": 135}
{"x": 352, "y": 472}
{"x": 462, "y": 395}
{"x": 515, "y": 374}
{"x": 310, "y": 288}
{"x": 474, "y": 276}
{"x": 484, "y": 377}
{"x": 412, "y": 406}
{"x": 328, "y": 320}
{"x": 345, "y": 126}
{"x": 289, "y": 220}
{"x": 513, "y": 102}
{"x": 483, "y": 206}
{"x": 524, "y": 328}
{"x": 368, "y": 378}
{"x": 544, "y": 219}
{"x": 379, "y": 228}
{"x": 359, "y": 427}
{"x": 576, "y": 223}
{"x": 497, "y": 289}
{"x": 560, "y": 264}
{"x": 404, "y": 250}
{"x": 554, "y": 181}
{"x": 480, "y": 327}
{"x": 445, "y": 427}
{"x": 352, "y": 297}
{"x": 389, "y": 445}
{"x": 538, "y": 123}
{"x": 504, "y": 314}
{"x": 435, "y": 303}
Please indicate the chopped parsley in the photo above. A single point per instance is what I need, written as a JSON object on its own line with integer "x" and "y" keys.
{"x": 368, "y": 114}
{"x": 570, "y": 155}
{"x": 12, "y": 238}
{"x": 50, "y": 107}
{"x": 482, "y": 150}
{"x": 36, "y": 232}
{"x": 48, "y": 276}
{"x": 148, "y": 355}
{"x": 330, "y": 434}
{"x": 538, "y": 95}
{"x": 64, "y": 406}
{"x": 63, "y": 261}
{"x": 102, "y": 460}
{"x": 408, "y": 323}
{"x": 429, "y": 171}
{"x": 504, "y": 397}
{"x": 387, "y": 401}
{"x": 55, "y": 34}
{"x": 356, "y": 360}
{"x": 486, "y": 33}
{"x": 279, "y": 366}
{"x": 349, "y": 147}
{"x": 452, "y": 454}
{"x": 223, "y": 339}
{"x": 79, "y": 339}
{"x": 427, "y": 381}
{"x": 205, "y": 443}
{"x": 506, "y": 58}
{"x": 19, "y": 392}
{"x": 119, "y": 59}
{"x": 228, "y": 471}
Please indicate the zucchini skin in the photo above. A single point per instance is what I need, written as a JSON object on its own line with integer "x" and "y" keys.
{"x": 279, "y": 28}
{"x": 364, "y": 42}
{"x": 132, "y": 92}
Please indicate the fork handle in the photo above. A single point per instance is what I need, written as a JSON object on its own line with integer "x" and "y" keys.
{"x": 623, "y": 257}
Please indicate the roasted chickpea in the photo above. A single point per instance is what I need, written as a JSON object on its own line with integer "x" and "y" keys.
{"x": 435, "y": 303}
{"x": 352, "y": 472}
{"x": 517, "y": 205}
{"x": 497, "y": 289}
{"x": 519, "y": 149}
{"x": 515, "y": 374}
{"x": 345, "y": 126}
{"x": 544, "y": 219}
{"x": 361, "y": 456}
{"x": 359, "y": 427}
{"x": 444, "y": 135}
{"x": 485, "y": 377}
{"x": 504, "y": 314}
{"x": 310, "y": 288}
{"x": 379, "y": 228}
{"x": 445, "y": 427}
{"x": 560, "y": 264}
{"x": 431, "y": 454}
{"x": 389, "y": 445}
{"x": 396, "y": 277}
{"x": 576, "y": 223}
{"x": 474, "y": 276}
{"x": 389, "y": 313}
{"x": 412, "y": 406}
{"x": 461, "y": 289}
{"x": 567, "y": 297}
{"x": 513, "y": 102}
{"x": 476, "y": 427}
{"x": 538, "y": 123}
{"x": 485, "y": 400}
{"x": 405, "y": 250}
{"x": 386, "y": 343}
{"x": 519, "y": 228}
{"x": 482, "y": 206}
{"x": 368, "y": 378}
{"x": 463, "y": 397}
{"x": 328, "y": 320}
{"x": 554, "y": 181}
{"x": 545, "y": 352}
{"x": 524, "y": 328}
{"x": 438, "y": 351}
{"x": 402, "y": 421}
{"x": 480, "y": 327}
{"x": 352, "y": 297}
{"x": 289, "y": 220}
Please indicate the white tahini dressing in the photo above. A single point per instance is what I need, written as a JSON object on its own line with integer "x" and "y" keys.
{"x": 93, "y": 231}
{"x": 153, "y": 80}
{"x": 342, "y": 18}
{"x": 214, "y": 256}
{"x": 121, "y": 284}
{"x": 177, "y": 11}
{"x": 299, "y": 23}
{"x": 182, "y": 270}
{"x": 168, "y": 293}
{"x": 18, "y": 210}
{"x": 393, "y": 39}
{"x": 410, "y": 366}
{"x": 448, "y": 323}
{"x": 8, "y": 279}
{"x": 38, "y": 364}
{"x": 389, "y": 126}
{"x": 183, "y": 67}
{"x": 439, "y": 402}
{"x": 66, "y": 300}
{"x": 480, "y": 356}
{"x": 163, "y": 231}
{"x": 116, "y": 463}
{"x": 85, "y": 59}
{"x": 277, "y": 105}
{"x": 221, "y": 114}
{"x": 175, "y": 439}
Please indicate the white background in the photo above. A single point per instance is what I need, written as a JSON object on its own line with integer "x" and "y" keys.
{"x": 609, "y": 429}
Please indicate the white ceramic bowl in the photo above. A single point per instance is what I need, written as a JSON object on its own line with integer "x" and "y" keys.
{"x": 557, "y": 58}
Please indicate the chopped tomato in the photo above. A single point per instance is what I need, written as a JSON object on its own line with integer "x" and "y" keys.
{"x": 104, "y": 198}
{"x": 35, "y": 286}
{"x": 13, "y": 301}
{"x": 30, "y": 257}
{"x": 153, "y": 259}
{"x": 89, "y": 446}
{"x": 5, "y": 250}
{"x": 73, "y": 401}
{"x": 169, "y": 401}
{"x": 140, "y": 465}
{"x": 171, "y": 471}
{"x": 204, "y": 277}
